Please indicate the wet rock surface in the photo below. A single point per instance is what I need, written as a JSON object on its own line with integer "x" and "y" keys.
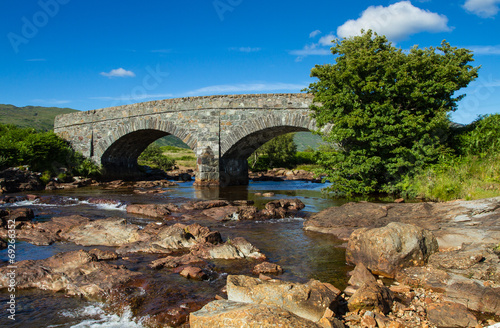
{"x": 17, "y": 180}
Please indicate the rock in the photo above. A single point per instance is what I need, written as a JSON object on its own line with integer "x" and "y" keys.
{"x": 368, "y": 321}
{"x": 448, "y": 314}
{"x": 267, "y": 268}
{"x": 371, "y": 296}
{"x": 3, "y": 244}
{"x": 205, "y": 204}
{"x": 386, "y": 250}
{"x": 222, "y": 313}
{"x": 105, "y": 232}
{"x": 15, "y": 218}
{"x": 16, "y": 180}
{"x": 77, "y": 273}
{"x": 268, "y": 194}
{"x": 309, "y": 301}
{"x": 46, "y": 233}
{"x": 473, "y": 261}
{"x": 361, "y": 275}
{"x": 453, "y": 223}
{"x": 192, "y": 272}
{"x": 152, "y": 210}
{"x": 472, "y": 293}
{"x": 175, "y": 261}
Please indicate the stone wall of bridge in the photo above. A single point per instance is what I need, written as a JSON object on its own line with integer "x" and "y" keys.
{"x": 222, "y": 131}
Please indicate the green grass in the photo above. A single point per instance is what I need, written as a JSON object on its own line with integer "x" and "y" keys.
{"x": 39, "y": 118}
{"x": 467, "y": 177}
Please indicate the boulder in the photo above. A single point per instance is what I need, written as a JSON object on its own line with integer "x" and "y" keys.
{"x": 105, "y": 232}
{"x": 267, "y": 268}
{"x": 16, "y": 180}
{"x": 371, "y": 296}
{"x": 449, "y": 315}
{"x": 309, "y": 301}
{"x": 152, "y": 210}
{"x": 386, "y": 250}
{"x": 228, "y": 314}
{"x": 46, "y": 233}
{"x": 77, "y": 273}
{"x": 361, "y": 275}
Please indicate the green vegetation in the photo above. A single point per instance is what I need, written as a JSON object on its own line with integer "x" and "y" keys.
{"x": 280, "y": 152}
{"x": 39, "y": 118}
{"x": 171, "y": 140}
{"x": 389, "y": 110}
{"x": 42, "y": 152}
{"x": 153, "y": 156}
{"x": 472, "y": 171}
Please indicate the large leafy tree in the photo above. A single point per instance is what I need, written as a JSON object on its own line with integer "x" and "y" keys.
{"x": 388, "y": 109}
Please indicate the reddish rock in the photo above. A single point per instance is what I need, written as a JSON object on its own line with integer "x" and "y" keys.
{"x": 222, "y": 313}
{"x": 267, "y": 268}
{"x": 361, "y": 275}
{"x": 309, "y": 301}
{"x": 385, "y": 251}
{"x": 371, "y": 296}
{"x": 195, "y": 273}
{"x": 152, "y": 210}
{"x": 448, "y": 314}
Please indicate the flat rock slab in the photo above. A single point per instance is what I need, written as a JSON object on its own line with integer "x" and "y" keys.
{"x": 309, "y": 301}
{"x": 230, "y": 314}
{"x": 453, "y": 223}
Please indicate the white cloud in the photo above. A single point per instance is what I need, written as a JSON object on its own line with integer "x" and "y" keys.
{"x": 327, "y": 39}
{"x": 310, "y": 50}
{"x": 314, "y": 33}
{"x": 243, "y": 88}
{"x": 119, "y": 72}
{"x": 485, "y": 50}
{"x": 51, "y": 101}
{"x": 245, "y": 49}
{"x": 397, "y": 21}
{"x": 482, "y": 8}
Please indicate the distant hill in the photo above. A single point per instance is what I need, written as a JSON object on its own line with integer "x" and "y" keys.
{"x": 305, "y": 140}
{"x": 171, "y": 140}
{"x": 40, "y": 118}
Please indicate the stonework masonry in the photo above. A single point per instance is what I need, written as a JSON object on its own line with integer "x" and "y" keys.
{"x": 223, "y": 131}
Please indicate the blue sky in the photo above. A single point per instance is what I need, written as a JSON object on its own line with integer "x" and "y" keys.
{"x": 94, "y": 54}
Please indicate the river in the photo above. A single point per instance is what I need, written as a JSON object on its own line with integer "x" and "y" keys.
{"x": 303, "y": 255}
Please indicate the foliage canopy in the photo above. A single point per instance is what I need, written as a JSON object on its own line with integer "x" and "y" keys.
{"x": 388, "y": 109}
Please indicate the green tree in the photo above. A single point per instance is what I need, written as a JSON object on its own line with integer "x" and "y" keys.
{"x": 388, "y": 109}
{"x": 278, "y": 152}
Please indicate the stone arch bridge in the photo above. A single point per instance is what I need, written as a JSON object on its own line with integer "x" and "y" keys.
{"x": 223, "y": 131}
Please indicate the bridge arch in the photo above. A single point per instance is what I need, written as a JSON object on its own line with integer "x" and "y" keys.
{"x": 244, "y": 140}
{"x": 119, "y": 151}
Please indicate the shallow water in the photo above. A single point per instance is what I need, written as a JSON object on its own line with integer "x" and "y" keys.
{"x": 303, "y": 255}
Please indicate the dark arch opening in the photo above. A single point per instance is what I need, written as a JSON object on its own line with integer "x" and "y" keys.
{"x": 120, "y": 159}
{"x": 234, "y": 164}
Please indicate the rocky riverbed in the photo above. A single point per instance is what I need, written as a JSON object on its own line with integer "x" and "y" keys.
{"x": 415, "y": 265}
